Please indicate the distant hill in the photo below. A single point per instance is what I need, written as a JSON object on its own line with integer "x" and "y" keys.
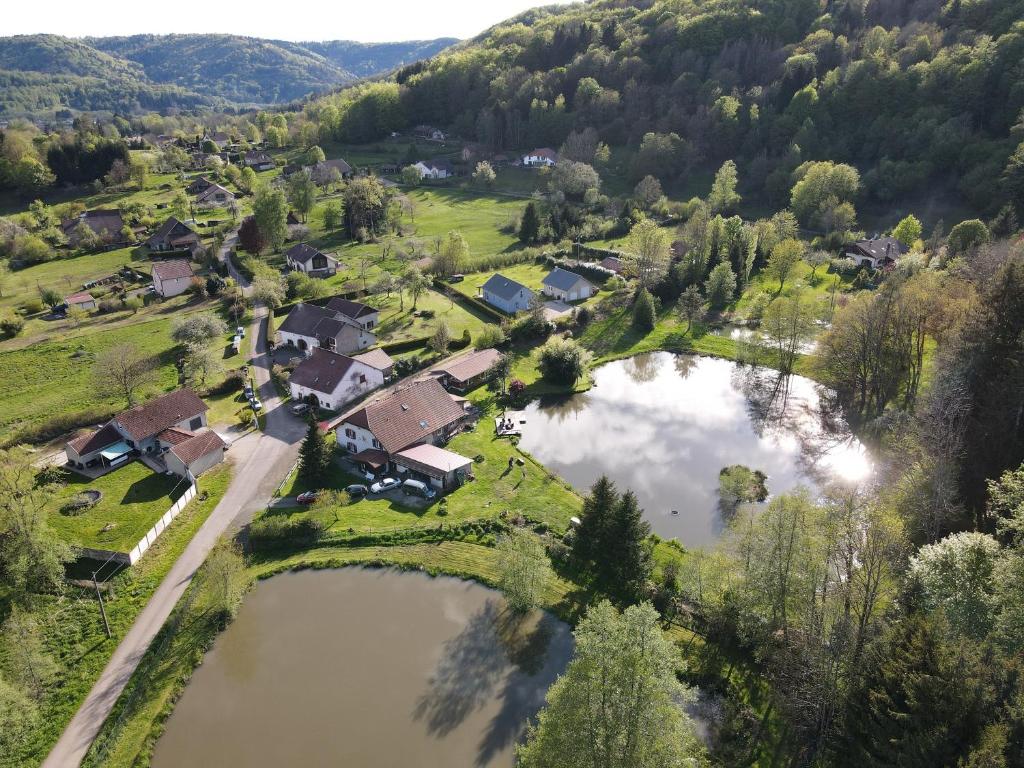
{"x": 42, "y": 73}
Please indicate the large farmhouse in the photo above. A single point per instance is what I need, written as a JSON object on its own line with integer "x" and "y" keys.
{"x": 106, "y": 223}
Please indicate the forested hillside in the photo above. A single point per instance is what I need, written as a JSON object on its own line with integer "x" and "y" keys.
{"x": 920, "y": 97}
{"x": 43, "y": 73}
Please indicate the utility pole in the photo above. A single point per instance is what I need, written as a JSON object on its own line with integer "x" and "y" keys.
{"x": 103, "y": 610}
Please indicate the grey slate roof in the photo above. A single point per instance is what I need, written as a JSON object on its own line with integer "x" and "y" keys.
{"x": 304, "y": 318}
{"x": 322, "y": 371}
{"x": 881, "y": 247}
{"x": 563, "y": 279}
{"x": 503, "y": 287}
{"x": 303, "y": 253}
{"x": 353, "y": 309}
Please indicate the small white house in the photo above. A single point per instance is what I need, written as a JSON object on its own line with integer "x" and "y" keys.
{"x": 215, "y": 195}
{"x": 506, "y": 294}
{"x": 567, "y": 286}
{"x": 172, "y": 278}
{"x": 305, "y": 258}
{"x": 540, "y": 156}
{"x": 434, "y": 169}
{"x": 876, "y": 252}
{"x": 334, "y": 380}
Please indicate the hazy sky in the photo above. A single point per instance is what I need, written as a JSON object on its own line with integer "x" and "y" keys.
{"x": 365, "y": 20}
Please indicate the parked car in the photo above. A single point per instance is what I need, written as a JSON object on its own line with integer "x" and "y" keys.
{"x": 249, "y": 394}
{"x": 240, "y": 331}
{"x": 307, "y": 497}
{"x": 300, "y": 408}
{"x": 417, "y": 488}
{"x": 256, "y": 404}
{"x": 384, "y": 485}
{"x": 458, "y": 277}
{"x": 356, "y": 490}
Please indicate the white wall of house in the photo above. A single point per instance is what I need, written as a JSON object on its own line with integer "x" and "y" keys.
{"x": 430, "y": 172}
{"x": 537, "y": 160}
{"x": 173, "y": 287}
{"x": 297, "y": 340}
{"x": 359, "y": 379}
{"x": 580, "y": 290}
{"x": 355, "y": 439}
{"x": 197, "y": 467}
{"x": 518, "y": 303}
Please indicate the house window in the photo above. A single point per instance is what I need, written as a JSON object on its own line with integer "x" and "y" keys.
{"x": 196, "y": 423}
{"x": 351, "y": 433}
{"x": 351, "y": 448}
{"x": 376, "y": 443}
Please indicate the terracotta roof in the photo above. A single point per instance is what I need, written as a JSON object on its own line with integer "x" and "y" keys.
{"x": 376, "y": 358}
{"x": 472, "y": 365}
{"x": 154, "y": 417}
{"x": 197, "y": 446}
{"x": 545, "y": 152}
{"x": 79, "y": 298}
{"x": 173, "y": 436}
{"x": 348, "y": 308}
{"x": 322, "y": 371}
{"x": 173, "y": 269}
{"x": 408, "y": 415}
{"x": 614, "y": 263}
{"x": 95, "y": 440}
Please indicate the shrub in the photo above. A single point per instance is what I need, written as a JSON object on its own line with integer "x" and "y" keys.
{"x": 562, "y": 361}
{"x": 279, "y": 531}
{"x": 11, "y": 325}
{"x": 234, "y": 381}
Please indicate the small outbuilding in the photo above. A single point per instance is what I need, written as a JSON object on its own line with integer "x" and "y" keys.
{"x": 442, "y": 468}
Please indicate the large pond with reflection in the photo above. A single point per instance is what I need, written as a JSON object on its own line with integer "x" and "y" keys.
{"x": 364, "y": 667}
{"x": 664, "y": 425}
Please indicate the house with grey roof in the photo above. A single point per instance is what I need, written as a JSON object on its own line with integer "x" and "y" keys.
{"x": 875, "y": 252}
{"x": 567, "y": 286}
{"x": 305, "y": 258}
{"x": 323, "y": 172}
{"x": 506, "y": 294}
{"x": 308, "y": 327}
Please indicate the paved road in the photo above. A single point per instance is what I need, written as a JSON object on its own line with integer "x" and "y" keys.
{"x": 261, "y": 461}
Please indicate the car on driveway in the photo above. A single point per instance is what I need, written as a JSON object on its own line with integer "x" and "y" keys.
{"x": 300, "y": 408}
{"x": 255, "y": 404}
{"x": 356, "y": 490}
{"x": 385, "y": 485}
{"x": 308, "y": 497}
{"x": 240, "y": 331}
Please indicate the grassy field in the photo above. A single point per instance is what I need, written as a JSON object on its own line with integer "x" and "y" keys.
{"x": 397, "y": 324}
{"x": 74, "y": 629}
{"x": 134, "y": 498}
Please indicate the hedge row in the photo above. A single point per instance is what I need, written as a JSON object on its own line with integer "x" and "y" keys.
{"x": 492, "y": 312}
{"x": 57, "y": 426}
{"x": 406, "y": 345}
{"x": 352, "y": 295}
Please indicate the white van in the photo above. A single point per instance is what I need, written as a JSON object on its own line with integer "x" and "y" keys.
{"x": 416, "y": 488}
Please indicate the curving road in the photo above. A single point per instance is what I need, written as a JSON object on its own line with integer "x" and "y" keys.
{"x": 262, "y": 459}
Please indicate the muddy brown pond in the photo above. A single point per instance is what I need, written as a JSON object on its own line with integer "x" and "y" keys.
{"x": 366, "y": 667}
{"x": 664, "y": 425}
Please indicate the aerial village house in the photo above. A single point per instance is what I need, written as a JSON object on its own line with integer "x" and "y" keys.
{"x": 429, "y": 132}
{"x": 567, "y": 286}
{"x": 107, "y": 223}
{"x": 434, "y": 169}
{"x": 541, "y": 156}
{"x": 322, "y": 172}
{"x": 333, "y": 380}
{"x": 332, "y": 327}
{"x": 81, "y": 300}
{"x": 418, "y": 413}
{"x": 174, "y": 422}
{"x": 612, "y": 264}
{"x": 506, "y": 294}
{"x": 173, "y": 235}
{"x": 259, "y": 161}
{"x": 440, "y": 467}
{"x": 220, "y": 139}
{"x": 199, "y": 184}
{"x": 305, "y": 258}
{"x": 172, "y": 278}
{"x": 215, "y": 195}
{"x": 875, "y": 253}
{"x": 468, "y": 371}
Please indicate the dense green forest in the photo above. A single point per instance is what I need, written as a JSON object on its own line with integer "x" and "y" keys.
{"x": 923, "y": 98}
{"x": 44, "y": 73}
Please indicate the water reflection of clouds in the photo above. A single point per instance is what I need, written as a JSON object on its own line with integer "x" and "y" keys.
{"x": 665, "y": 425}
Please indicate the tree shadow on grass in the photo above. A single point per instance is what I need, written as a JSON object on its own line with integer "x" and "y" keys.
{"x": 149, "y": 488}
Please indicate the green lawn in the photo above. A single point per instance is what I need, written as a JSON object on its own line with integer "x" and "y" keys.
{"x": 397, "y": 324}
{"x": 134, "y": 498}
{"x": 74, "y": 635}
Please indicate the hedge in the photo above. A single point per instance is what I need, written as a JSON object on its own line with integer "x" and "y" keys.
{"x": 284, "y": 309}
{"x": 406, "y": 345}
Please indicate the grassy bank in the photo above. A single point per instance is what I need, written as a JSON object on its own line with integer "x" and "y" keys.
{"x": 74, "y": 629}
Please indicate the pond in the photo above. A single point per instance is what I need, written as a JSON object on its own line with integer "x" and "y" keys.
{"x": 367, "y": 667}
{"x": 664, "y": 425}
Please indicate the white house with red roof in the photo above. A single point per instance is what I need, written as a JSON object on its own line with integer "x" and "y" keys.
{"x": 172, "y": 278}
{"x": 545, "y": 156}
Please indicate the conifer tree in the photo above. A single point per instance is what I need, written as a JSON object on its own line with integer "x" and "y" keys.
{"x": 625, "y": 556}
{"x": 529, "y": 227}
{"x": 313, "y": 456}
{"x": 594, "y": 520}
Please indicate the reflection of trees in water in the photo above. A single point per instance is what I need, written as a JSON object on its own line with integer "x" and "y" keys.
{"x": 564, "y": 407}
{"x": 643, "y": 367}
{"x": 684, "y": 364}
{"x": 473, "y": 670}
{"x": 768, "y": 395}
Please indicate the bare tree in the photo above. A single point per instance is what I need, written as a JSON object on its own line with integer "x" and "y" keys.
{"x": 123, "y": 371}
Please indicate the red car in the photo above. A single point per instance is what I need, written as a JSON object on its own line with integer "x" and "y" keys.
{"x": 308, "y": 497}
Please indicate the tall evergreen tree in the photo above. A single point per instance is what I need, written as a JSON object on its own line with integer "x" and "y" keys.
{"x": 625, "y": 556}
{"x": 529, "y": 227}
{"x": 597, "y": 510}
{"x": 313, "y": 456}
